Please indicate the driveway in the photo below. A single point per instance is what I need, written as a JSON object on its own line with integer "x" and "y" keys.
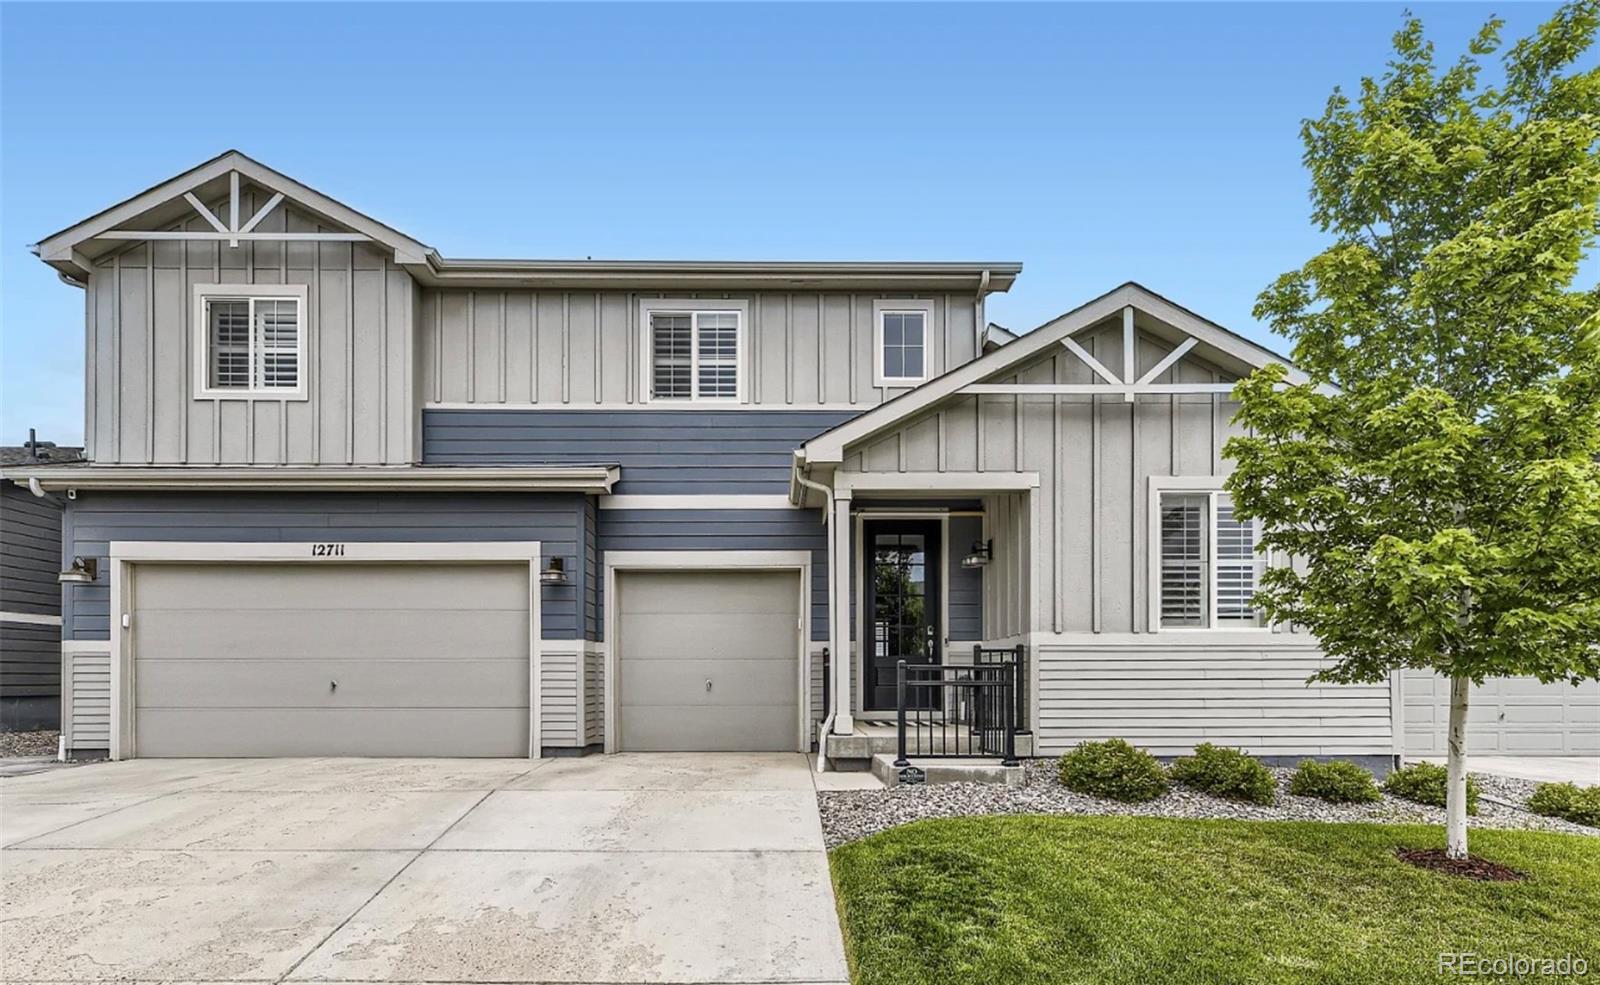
{"x": 628, "y": 868}
{"x": 1544, "y": 769}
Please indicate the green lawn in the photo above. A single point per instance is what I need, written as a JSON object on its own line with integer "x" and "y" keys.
{"x": 995, "y": 900}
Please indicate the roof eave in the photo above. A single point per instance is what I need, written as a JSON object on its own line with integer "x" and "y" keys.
{"x": 410, "y": 478}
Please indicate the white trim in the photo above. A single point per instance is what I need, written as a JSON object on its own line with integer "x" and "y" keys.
{"x": 1212, "y": 485}
{"x": 204, "y": 293}
{"x": 546, "y": 478}
{"x": 1222, "y": 639}
{"x": 127, "y": 555}
{"x": 943, "y": 482}
{"x": 39, "y": 619}
{"x": 744, "y": 365}
{"x": 623, "y": 561}
{"x": 775, "y": 501}
{"x": 909, "y": 306}
{"x": 859, "y": 702}
{"x": 660, "y": 406}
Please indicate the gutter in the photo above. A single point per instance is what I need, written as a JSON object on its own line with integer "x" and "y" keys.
{"x": 548, "y": 478}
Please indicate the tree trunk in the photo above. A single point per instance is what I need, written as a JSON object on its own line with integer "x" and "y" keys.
{"x": 1455, "y": 811}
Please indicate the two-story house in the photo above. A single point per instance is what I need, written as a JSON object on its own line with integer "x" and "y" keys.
{"x": 347, "y": 496}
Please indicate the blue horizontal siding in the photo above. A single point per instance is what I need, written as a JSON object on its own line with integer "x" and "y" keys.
{"x": 725, "y": 452}
{"x": 94, "y": 520}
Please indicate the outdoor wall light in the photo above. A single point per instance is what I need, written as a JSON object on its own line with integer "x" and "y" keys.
{"x": 555, "y": 573}
{"x": 83, "y": 571}
{"x": 982, "y": 551}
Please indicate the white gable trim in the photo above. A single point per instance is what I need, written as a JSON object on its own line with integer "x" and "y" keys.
{"x": 829, "y": 447}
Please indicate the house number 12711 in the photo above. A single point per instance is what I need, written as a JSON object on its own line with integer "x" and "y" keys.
{"x": 327, "y": 550}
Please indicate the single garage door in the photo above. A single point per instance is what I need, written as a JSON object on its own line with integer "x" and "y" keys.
{"x": 331, "y": 659}
{"x": 1510, "y": 716}
{"x": 708, "y": 661}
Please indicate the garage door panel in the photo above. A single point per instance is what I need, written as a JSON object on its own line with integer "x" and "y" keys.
{"x": 756, "y": 636}
{"x": 336, "y": 732}
{"x": 678, "y": 593}
{"x": 455, "y": 683}
{"x": 324, "y": 633}
{"x": 1506, "y": 716}
{"x": 676, "y": 728}
{"x": 734, "y": 682}
{"x": 336, "y": 586}
{"x": 740, "y": 629}
{"x": 236, "y": 659}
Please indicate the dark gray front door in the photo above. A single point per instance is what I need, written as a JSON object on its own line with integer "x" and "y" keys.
{"x": 902, "y": 605}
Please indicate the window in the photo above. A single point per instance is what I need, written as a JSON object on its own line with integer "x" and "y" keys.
{"x": 902, "y": 343}
{"x": 252, "y": 341}
{"x": 1208, "y": 565}
{"x": 694, "y": 355}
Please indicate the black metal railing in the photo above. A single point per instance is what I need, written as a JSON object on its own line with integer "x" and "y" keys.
{"x": 1014, "y": 654}
{"x": 945, "y": 711}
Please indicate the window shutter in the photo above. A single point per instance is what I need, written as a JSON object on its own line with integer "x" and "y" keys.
{"x": 719, "y": 355}
{"x": 1183, "y": 557}
{"x": 672, "y": 356}
{"x": 1236, "y": 567}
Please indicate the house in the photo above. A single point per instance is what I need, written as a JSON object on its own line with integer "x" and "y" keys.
{"x": 348, "y": 496}
{"x": 30, "y": 601}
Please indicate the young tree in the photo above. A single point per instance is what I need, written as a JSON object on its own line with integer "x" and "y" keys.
{"x": 1438, "y": 483}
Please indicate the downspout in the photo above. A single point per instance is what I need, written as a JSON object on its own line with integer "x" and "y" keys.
{"x": 979, "y": 320}
{"x": 833, "y": 698}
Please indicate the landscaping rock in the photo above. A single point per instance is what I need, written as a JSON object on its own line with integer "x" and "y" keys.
{"x": 26, "y": 745}
{"x": 854, "y": 814}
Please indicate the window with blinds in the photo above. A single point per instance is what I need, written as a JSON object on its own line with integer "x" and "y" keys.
{"x": 1209, "y": 568}
{"x": 694, "y": 355}
{"x": 253, "y": 344}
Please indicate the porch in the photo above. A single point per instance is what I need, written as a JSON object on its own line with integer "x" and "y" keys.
{"x": 929, "y": 589}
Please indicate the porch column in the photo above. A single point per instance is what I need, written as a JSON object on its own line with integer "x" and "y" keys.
{"x": 839, "y": 611}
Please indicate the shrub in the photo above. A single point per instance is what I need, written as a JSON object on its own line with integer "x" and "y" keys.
{"x": 1568, "y": 801}
{"x": 1337, "y": 782}
{"x": 1425, "y": 784}
{"x": 1113, "y": 769}
{"x": 1229, "y": 773}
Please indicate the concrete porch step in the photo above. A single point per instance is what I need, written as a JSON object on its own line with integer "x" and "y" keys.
{"x": 945, "y": 771}
{"x": 866, "y": 744}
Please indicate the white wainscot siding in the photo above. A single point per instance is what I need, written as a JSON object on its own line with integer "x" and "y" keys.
{"x": 1166, "y": 697}
{"x": 561, "y": 683}
{"x": 86, "y": 696}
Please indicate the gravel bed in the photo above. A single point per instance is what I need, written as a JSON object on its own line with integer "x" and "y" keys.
{"x": 18, "y": 745}
{"x": 848, "y": 815}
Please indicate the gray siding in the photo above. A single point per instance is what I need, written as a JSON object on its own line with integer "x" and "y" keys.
{"x": 1094, "y": 456}
{"x": 96, "y": 519}
{"x": 141, "y": 407}
{"x": 725, "y": 452}
{"x": 30, "y": 552}
{"x": 965, "y": 584}
{"x": 572, "y": 348}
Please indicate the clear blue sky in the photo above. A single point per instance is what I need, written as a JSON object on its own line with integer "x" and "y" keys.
{"x": 1096, "y": 144}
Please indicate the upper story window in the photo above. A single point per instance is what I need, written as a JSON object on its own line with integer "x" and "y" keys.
{"x": 252, "y": 341}
{"x": 694, "y": 350}
{"x": 1208, "y": 563}
{"x": 900, "y": 342}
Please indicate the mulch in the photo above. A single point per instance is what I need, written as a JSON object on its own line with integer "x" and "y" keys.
{"x": 1471, "y": 867}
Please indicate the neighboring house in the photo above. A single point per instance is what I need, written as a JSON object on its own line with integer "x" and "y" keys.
{"x": 347, "y": 496}
{"x": 30, "y": 599}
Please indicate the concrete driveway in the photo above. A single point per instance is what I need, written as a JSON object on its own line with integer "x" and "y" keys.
{"x": 628, "y": 868}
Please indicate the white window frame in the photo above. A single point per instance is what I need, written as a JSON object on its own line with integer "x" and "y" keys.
{"x": 1211, "y": 486}
{"x": 693, "y": 307}
{"x": 907, "y": 306}
{"x": 206, "y": 293}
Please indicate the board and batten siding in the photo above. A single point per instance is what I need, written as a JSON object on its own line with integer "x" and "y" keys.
{"x": 713, "y": 452}
{"x": 1071, "y": 566}
{"x": 490, "y": 348}
{"x": 141, "y": 404}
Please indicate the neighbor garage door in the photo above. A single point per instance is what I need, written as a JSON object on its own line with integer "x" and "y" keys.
{"x": 331, "y": 660}
{"x": 1511, "y": 716}
{"x": 708, "y": 660}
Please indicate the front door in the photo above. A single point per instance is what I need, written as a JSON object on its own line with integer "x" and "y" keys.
{"x": 902, "y": 604}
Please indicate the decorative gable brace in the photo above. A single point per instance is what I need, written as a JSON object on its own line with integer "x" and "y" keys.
{"x": 73, "y": 250}
{"x": 1112, "y": 383}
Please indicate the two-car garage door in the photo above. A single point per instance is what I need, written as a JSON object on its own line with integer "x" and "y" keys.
{"x": 1510, "y": 716}
{"x": 291, "y": 659}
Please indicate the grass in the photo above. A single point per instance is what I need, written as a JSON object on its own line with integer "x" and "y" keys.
{"x": 1137, "y": 900}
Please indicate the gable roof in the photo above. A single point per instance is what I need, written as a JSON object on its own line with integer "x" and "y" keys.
{"x": 164, "y": 203}
{"x": 72, "y": 250}
{"x": 1221, "y": 344}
